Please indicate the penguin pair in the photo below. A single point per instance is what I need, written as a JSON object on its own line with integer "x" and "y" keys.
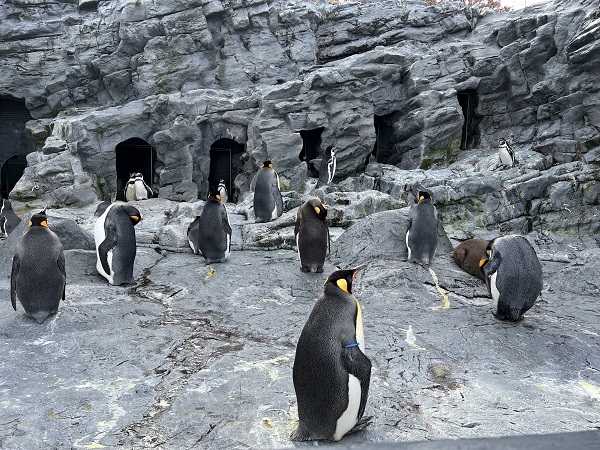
{"x": 312, "y": 235}
{"x": 8, "y": 219}
{"x": 331, "y": 372}
{"x": 116, "y": 247}
{"x": 38, "y": 277}
{"x": 421, "y": 233}
{"x": 268, "y": 203}
{"x": 136, "y": 188}
{"x": 209, "y": 234}
{"x": 513, "y": 276}
{"x": 506, "y": 153}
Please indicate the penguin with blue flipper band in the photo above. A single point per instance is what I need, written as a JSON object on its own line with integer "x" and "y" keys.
{"x": 331, "y": 372}
{"x": 116, "y": 247}
{"x": 513, "y": 275}
{"x": 38, "y": 276}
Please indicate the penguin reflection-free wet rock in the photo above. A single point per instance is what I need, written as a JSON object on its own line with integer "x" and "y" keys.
{"x": 468, "y": 254}
{"x": 38, "y": 277}
{"x": 421, "y": 234}
{"x": 8, "y": 219}
{"x": 209, "y": 234}
{"x": 513, "y": 275}
{"x": 312, "y": 235}
{"x": 331, "y": 371}
{"x": 116, "y": 247}
{"x": 268, "y": 203}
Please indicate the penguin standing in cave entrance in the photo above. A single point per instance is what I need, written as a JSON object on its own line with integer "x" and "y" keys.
{"x": 327, "y": 167}
{"x": 268, "y": 203}
{"x": 136, "y": 188}
{"x": 8, "y": 219}
{"x": 223, "y": 191}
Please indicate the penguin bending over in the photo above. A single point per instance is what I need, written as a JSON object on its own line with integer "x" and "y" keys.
{"x": 312, "y": 235}
{"x": 268, "y": 203}
{"x": 421, "y": 234}
{"x": 116, "y": 247}
{"x": 38, "y": 276}
{"x": 331, "y": 372}
{"x": 513, "y": 275}
{"x": 136, "y": 188}
{"x": 8, "y": 219}
{"x": 327, "y": 167}
{"x": 222, "y": 190}
{"x": 506, "y": 153}
{"x": 209, "y": 234}
{"x": 467, "y": 255}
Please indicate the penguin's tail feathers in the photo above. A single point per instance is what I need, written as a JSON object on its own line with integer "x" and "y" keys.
{"x": 362, "y": 423}
{"x": 40, "y": 316}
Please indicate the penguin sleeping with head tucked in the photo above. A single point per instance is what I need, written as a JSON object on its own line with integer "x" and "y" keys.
{"x": 38, "y": 277}
{"x": 331, "y": 372}
{"x": 467, "y": 255}
{"x": 116, "y": 247}
{"x": 312, "y": 235}
{"x": 513, "y": 275}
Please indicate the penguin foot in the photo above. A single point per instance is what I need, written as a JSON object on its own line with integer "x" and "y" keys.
{"x": 320, "y": 269}
{"x": 305, "y": 269}
{"x": 362, "y": 423}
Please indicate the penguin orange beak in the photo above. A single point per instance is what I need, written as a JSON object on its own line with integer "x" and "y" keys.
{"x": 482, "y": 262}
{"x": 358, "y": 269}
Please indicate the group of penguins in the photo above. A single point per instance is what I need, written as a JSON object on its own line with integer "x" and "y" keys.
{"x": 330, "y": 352}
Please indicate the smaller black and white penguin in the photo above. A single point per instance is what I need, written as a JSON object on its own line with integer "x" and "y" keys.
{"x": 268, "y": 203}
{"x": 136, "y": 188}
{"x": 421, "y": 233}
{"x": 513, "y": 275}
{"x": 327, "y": 167}
{"x": 8, "y": 219}
{"x": 116, "y": 247}
{"x": 506, "y": 153}
{"x": 468, "y": 254}
{"x": 38, "y": 277}
{"x": 331, "y": 371}
{"x": 209, "y": 234}
{"x": 222, "y": 189}
{"x": 312, "y": 235}
{"x": 373, "y": 169}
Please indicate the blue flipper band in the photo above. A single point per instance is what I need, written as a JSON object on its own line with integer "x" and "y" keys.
{"x": 356, "y": 344}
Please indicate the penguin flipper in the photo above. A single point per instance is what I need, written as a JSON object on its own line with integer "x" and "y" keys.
{"x": 107, "y": 245}
{"x": 357, "y": 364}
{"x": 362, "y": 423}
{"x": 298, "y": 224}
{"x": 13, "y": 281}
{"x": 225, "y": 221}
{"x": 63, "y": 271}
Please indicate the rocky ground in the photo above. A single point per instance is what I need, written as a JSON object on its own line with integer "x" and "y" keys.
{"x": 196, "y": 356}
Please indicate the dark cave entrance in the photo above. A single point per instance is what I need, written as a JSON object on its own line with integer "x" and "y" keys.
{"x": 470, "y": 132}
{"x": 311, "y": 148}
{"x": 384, "y": 138}
{"x": 11, "y": 172}
{"x": 14, "y": 144}
{"x": 225, "y": 164}
{"x": 134, "y": 155}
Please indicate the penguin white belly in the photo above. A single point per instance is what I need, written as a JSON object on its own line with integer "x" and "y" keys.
{"x": 192, "y": 246}
{"x": 227, "y": 249}
{"x": 99, "y": 237}
{"x": 349, "y": 418}
{"x": 408, "y": 246}
{"x": 274, "y": 213}
{"x": 505, "y": 158}
{"x": 494, "y": 290}
{"x": 140, "y": 191}
{"x": 130, "y": 192}
{"x": 298, "y": 246}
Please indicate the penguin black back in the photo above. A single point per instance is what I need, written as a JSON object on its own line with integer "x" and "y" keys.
{"x": 214, "y": 231}
{"x": 421, "y": 234}
{"x": 268, "y": 203}
{"x": 331, "y": 372}
{"x": 513, "y": 275}
{"x": 312, "y": 235}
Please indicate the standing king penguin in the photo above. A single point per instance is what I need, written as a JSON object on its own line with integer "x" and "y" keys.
{"x": 210, "y": 233}
{"x": 8, "y": 219}
{"x": 513, "y": 275}
{"x": 331, "y": 372}
{"x": 38, "y": 276}
{"x": 114, "y": 235}
{"x": 268, "y": 203}
{"x": 421, "y": 234}
{"x": 312, "y": 235}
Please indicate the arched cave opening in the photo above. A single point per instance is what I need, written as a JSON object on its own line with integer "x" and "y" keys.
{"x": 14, "y": 144}
{"x": 11, "y": 172}
{"x": 384, "y": 138}
{"x": 470, "y": 131}
{"x": 311, "y": 148}
{"x": 134, "y": 155}
{"x": 225, "y": 164}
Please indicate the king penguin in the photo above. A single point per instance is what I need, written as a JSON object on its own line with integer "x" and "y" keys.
{"x": 331, "y": 371}
{"x": 8, "y": 219}
{"x": 268, "y": 203}
{"x": 506, "y": 153}
{"x": 312, "y": 235}
{"x": 513, "y": 275}
{"x": 114, "y": 235}
{"x": 467, "y": 255}
{"x": 210, "y": 233}
{"x": 421, "y": 233}
{"x": 38, "y": 277}
{"x": 222, "y": 189}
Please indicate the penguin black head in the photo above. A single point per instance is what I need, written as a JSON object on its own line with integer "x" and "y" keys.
{"x": 132, "y": 212}
{"x": 214, "y": 195}
{"x": 268, "y": 164}
{"x": 318, "y": 207}
{"x": 343, "y": 278}
{"x": 39, "y": 219}
{"x": 425, "y": 195}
